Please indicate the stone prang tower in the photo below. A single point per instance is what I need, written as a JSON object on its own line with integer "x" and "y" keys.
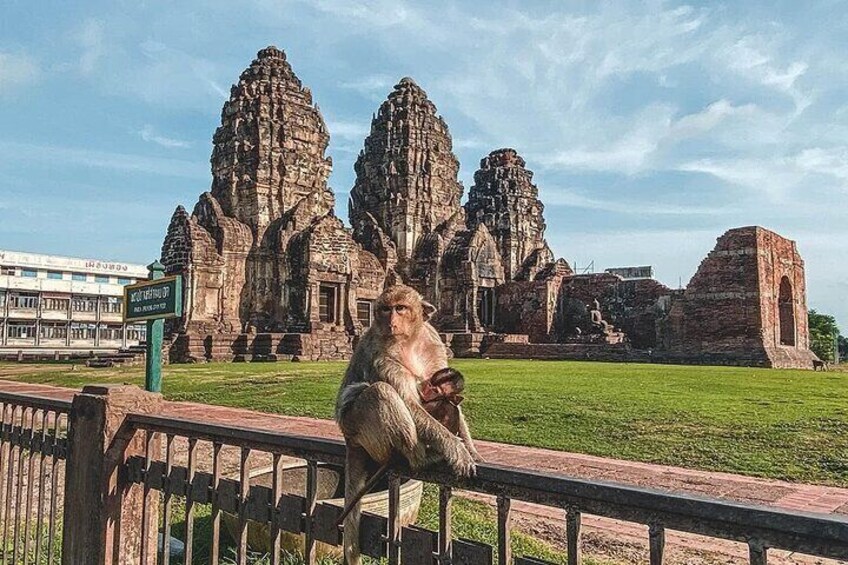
{"x": 506, "y": 201}
{"x": 406, "y": 175}
{"x": 263, "y": 252}
{"x": 269, "y": 150}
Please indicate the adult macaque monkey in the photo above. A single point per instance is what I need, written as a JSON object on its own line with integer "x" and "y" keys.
{"x": 379, "y": 406}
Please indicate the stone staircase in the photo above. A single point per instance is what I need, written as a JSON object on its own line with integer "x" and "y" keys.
{"x": 128, "y": 357}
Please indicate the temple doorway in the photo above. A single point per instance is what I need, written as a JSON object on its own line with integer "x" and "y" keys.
{"x": 786, "y": 308}
{"x": 486, "y": 306}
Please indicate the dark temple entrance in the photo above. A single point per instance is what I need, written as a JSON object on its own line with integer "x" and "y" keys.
{"x": 786, "y": 307}
{"x": 486, "y": 306}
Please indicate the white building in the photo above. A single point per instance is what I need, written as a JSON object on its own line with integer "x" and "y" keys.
{"x": 62, "y": 304}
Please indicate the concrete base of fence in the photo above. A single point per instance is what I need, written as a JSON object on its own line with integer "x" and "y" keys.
{"x": 102, "y": 522}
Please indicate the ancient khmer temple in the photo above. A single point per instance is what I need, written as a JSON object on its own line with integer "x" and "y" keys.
{"x": 271, "y": 272}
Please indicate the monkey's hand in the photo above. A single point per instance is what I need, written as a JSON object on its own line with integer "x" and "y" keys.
{"x": 460, "y": 460}
{"x": 474, "y": 453}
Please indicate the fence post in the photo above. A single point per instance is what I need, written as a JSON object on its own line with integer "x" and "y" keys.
{"x": 102, "y": 519}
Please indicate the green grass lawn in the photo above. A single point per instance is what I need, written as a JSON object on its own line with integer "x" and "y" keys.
{"x": 771, "y": 423}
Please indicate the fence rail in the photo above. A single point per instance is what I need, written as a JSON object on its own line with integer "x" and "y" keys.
{"x": 193, "y": 479}
{"x": 33, "y": 449}
{"x": 760, "y": 527}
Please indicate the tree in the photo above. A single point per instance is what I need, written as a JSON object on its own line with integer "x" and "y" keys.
{"x": 843, "y": 347}
{"x": 823, "y": 335}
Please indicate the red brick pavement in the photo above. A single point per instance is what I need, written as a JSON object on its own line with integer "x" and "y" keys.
{"x": 781, "y": 494}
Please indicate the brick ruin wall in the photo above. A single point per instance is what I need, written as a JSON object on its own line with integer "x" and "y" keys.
{"x": 730, "y": 311}
{"x": 528, "y": 307}
{"x": 632, "y": 306}
{"x": 720, "y": 310}
{"x": 779, "y": 264}
{"x": 746, "y": 305}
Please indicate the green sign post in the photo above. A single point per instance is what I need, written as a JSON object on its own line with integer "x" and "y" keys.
{"x": 154, "y": 300}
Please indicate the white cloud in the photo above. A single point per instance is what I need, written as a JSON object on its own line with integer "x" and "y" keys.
{"x": 779, "y": 176}
{"x": 378, "y": 85}
{"x": 757, "y": 174}
{"x": 627, "y": 154}
{"x": 470, "y": 143}
{"x": 17, "y": 70}
{"x": 569, "y": 198}
{"x": 92, "y": 41}
{"x": 747, "y": 58}
{"x": 220, "y": 90}
{"x": 104, "y": 160}
{"x": 831, "y": 161}
{"x": 558, "y": 85}
{"x": 634, "y": 150}
{"x": 708, "y": 119}
{"x": 348, "y": 130}
{"x": 171, "y": 76}
{"x": 148, "y": 133}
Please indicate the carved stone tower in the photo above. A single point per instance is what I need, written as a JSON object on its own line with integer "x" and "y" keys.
{"x": 269, "y": 150}
{"x": 406, "y": 175}
{"x": 506, "y": 201}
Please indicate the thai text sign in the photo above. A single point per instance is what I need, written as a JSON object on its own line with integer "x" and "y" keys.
{"x": 152, "y": 300}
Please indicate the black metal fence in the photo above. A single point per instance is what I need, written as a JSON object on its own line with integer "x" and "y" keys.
{"x": 760, "y": 528}
{"x": 197, "y": 480}
{"x": 33, "y": 449}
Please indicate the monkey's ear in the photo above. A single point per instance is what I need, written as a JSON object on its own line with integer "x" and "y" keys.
{"x": 429, "y": 310}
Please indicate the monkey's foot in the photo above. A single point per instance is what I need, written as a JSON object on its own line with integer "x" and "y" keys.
{"x": 460, "y": 460}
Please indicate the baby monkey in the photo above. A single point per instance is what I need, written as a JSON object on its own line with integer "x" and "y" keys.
{"x": 397, "y": 370}
{"x": 441, "y": 397}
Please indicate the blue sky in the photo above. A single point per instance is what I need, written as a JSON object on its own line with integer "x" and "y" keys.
{"x": 652, "y": 127}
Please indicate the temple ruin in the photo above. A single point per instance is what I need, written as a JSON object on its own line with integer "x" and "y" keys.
{"x": 271, "y": 272}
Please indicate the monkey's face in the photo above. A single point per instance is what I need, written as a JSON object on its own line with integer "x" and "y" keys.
{"x": 398, "y": 319}
{"x": 399, "y": 312}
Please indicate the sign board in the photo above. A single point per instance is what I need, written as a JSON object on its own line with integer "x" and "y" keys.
{"x": 646, "y": 272}
{"x": 58, "y": 263}
{"x": 153, "y": 299}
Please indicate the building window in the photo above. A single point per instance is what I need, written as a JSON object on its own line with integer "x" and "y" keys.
{"x": 111, "y": 304}
{"x": 137, "y": 332}
{"x": 55, "y": 304}
{"x": 327, "y": 302}
{"x": 2, "y": 299}
{"x": 101, "y": 279}
{"x": 21, "y": 330}
{"x": 54, "y": 331}
{"x": 79, "y": 277}
{"x": 54, "y": 275}
{"x": 84, "y": 303}
{"x": 11, "y": 271}
{"x": 83, "y": 331}
{"x": 24, "y": 301}
{"x": 123, "y": 281}
{"x": 29, "y": 273}
{"x": 365, "y": 312}
{"x": 111, "y": 333}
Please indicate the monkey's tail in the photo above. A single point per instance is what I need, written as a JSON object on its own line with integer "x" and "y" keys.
{"x": 375, "y": 478}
